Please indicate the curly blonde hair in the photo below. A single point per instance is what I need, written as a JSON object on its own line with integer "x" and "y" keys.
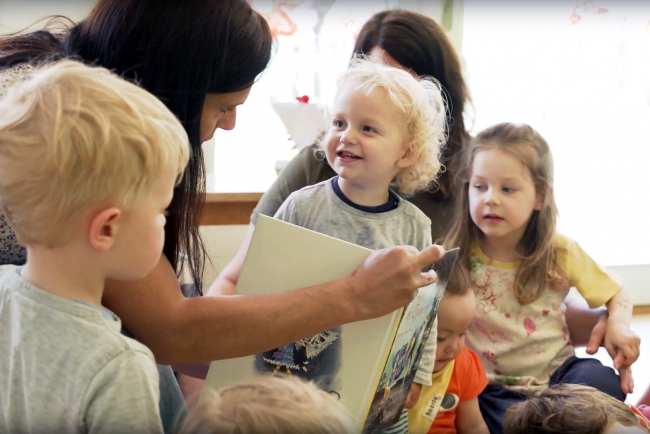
{"x": 272, "y": 405}
{"x": 423, "y": 104}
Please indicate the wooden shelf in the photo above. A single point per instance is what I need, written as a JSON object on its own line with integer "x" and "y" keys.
{"x": 229, "y": 208}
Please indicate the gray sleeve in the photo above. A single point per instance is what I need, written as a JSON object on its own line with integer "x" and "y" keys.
{"x": 288, "y": 211}
{"x": 428, "y": 359}
{"x": 123, "y": 397}
{"x": 292, "y": 178}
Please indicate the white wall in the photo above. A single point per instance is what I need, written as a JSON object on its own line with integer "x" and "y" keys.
{"x": 18, "y": 14}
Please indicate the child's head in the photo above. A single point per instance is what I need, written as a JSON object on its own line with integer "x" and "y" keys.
{"x": 505, "y": 198}
{"x": 386, "y": 126}
{"x": 455, "y": 314}
{"x": 89, "y": 158}
{"x": 570, "y": 408}
{"x": 270, "y": 404}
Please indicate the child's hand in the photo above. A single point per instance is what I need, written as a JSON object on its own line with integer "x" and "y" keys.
{"x": 413, "y": 396}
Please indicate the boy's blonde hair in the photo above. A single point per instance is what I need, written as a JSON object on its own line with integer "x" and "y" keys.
{"x": 73, "y": 137}
{"x": 568, "y": 408}
{"x": 422, "y": 102}
{"x": 272, "y": 405}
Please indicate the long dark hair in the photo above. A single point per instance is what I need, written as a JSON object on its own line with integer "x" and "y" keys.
{"x": 420, "y": 44}
{"x": 179, "y": 51}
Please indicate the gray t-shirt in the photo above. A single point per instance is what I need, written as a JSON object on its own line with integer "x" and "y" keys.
{"x": 305, "y": 169}
{"x": 317, "y": 207}
{"x": 65, "y": 367}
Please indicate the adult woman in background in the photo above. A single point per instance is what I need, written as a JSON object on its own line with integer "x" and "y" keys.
{"x": 410, "y": 41}
{"x": 201, "y": 57}
{"x": 416, "y": 43}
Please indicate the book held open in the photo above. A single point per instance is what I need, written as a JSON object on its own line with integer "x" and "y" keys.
{"x": 369, "y": 364}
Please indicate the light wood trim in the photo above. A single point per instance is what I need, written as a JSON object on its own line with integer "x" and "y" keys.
{"x": 233, "y": 197}
{"x": 229, "y": 208}
{"x": 641, "y": 310}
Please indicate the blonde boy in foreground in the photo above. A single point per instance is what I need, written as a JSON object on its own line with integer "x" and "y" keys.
{"x": 88, "y": 163}
{"x": 270, "y": 405}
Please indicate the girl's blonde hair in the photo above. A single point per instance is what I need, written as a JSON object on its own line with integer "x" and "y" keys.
{"x": 73, "y": 137}
{"x": 273, "y": 405}
{"x": 536, "y": 248}
{"x": 423, "y": 105}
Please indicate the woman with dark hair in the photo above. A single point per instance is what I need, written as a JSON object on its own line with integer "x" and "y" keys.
{"x": 410, "y": 41}
{"x": 201, "y": 57}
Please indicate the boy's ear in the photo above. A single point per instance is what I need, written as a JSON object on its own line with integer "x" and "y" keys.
{"x": 407, "y": 159}
{"x": 103, "y": 228}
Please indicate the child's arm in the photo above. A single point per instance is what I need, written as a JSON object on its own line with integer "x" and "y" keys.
{"x": 469, "y": 419}
{"x": 621, "y": 342}
{"x": 428, "y": 359}
{"x": 425, "y": 368}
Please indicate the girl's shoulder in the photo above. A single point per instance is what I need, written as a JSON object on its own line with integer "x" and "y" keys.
{"x": 567, "y": 249}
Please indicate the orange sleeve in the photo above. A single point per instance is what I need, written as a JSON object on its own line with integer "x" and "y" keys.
{"x": 472, "y": 376}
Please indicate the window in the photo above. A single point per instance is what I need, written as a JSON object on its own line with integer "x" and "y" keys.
{"x": 579, "y": 74}
{"x": 314, "y": 42}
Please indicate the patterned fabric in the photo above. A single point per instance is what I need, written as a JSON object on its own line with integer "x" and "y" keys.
{"x": 522, "y": 345}
{"x": 10, "y": 251}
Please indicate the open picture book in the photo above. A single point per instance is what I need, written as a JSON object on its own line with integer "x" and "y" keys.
{"x": 369, "y": 365}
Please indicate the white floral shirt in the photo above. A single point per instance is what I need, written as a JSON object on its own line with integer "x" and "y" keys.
{"x": 522, "y": 345}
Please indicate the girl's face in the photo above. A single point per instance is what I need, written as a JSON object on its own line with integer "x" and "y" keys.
{"x": 220, "y": 111}
{"x": 502, "y": 196}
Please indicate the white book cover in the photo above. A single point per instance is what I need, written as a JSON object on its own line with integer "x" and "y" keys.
{"x": 369, "y": 364}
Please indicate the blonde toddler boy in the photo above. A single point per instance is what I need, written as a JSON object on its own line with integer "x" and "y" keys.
{"x": 88, "y": 164}
{"x": 271, "y": 405}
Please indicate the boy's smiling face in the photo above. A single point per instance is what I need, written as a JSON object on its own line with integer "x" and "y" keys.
{"x": 455, "y": 315}
{"x": 366, "y": 142}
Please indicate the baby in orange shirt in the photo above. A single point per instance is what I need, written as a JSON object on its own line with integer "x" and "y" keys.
{"x": 450, "y": 405}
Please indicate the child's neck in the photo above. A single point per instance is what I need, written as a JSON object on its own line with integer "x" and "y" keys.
{"x": 364, "y": 196}
{"x": 64, "y": 272}
{"x": 502, "y": 249}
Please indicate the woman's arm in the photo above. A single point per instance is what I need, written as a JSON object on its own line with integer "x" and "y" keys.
{"x": 586, "y": 326}
{"x": 589, "y": 327}
{"x": 188, "y": 330}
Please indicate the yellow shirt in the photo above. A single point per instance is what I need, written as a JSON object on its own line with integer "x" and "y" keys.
{"x": 522, "y": 345}
{"x": 422, "y": 415}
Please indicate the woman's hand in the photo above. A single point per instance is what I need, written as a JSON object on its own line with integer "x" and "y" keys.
{"x": 597, "y": 340}
{"x": 389, "y": 279}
